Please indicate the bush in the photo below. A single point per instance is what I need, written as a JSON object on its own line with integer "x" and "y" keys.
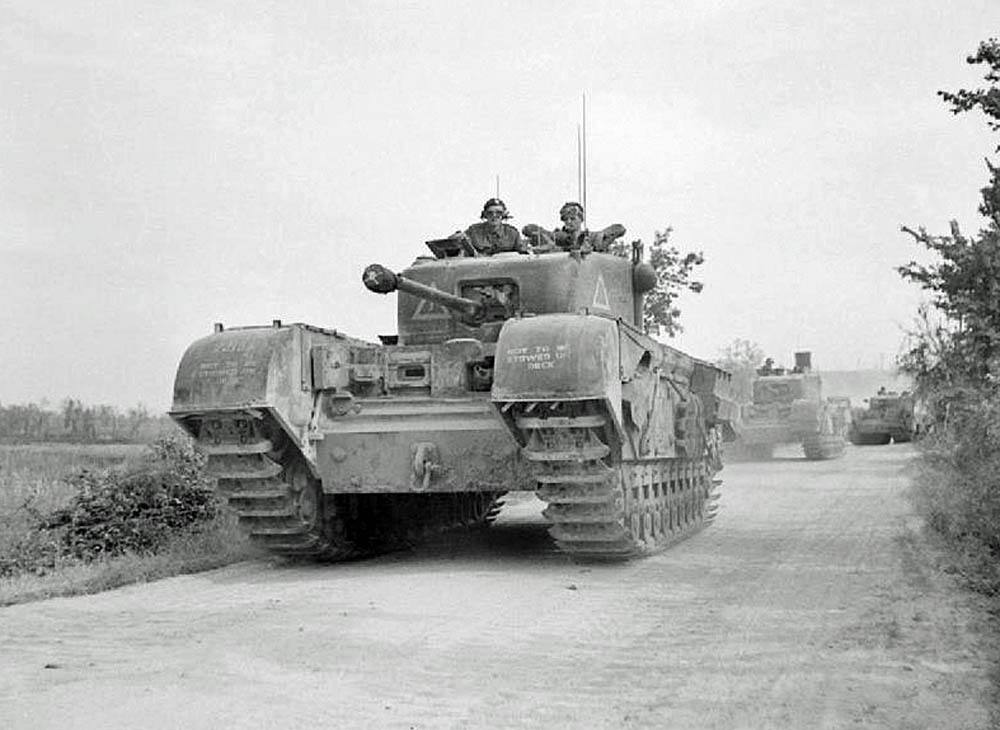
{"x": 957, "y": 489}
{"x": 139, "y": 508}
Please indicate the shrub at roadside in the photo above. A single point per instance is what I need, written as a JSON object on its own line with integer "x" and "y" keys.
{"x": 138, "y": 510}
{"x": 142, "y": 508}
{"x": 957, "y": 488}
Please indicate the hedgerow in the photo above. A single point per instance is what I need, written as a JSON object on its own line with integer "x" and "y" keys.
{"x": 957, "y": 489}
{"x": 954, "y": 359}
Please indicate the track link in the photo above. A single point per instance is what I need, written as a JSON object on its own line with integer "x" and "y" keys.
{"x": 606, "y": 509}
{"x": 266, "y": 481}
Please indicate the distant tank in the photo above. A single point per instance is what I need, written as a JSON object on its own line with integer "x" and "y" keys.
{"x": 888, "y": 416}
{"x": 508, "y": 372}
{"x": 788, "y": 407}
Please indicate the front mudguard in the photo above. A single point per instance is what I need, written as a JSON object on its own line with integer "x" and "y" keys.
{"x": 257, "y": 371}
{"x": 559, "y": 357}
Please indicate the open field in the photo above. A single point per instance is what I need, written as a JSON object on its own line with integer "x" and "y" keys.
{"x": 35, "y": 470}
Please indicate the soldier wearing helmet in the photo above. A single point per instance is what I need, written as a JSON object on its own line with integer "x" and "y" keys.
{"x": 492, "y": 235}
{"x": 572, "y": 236}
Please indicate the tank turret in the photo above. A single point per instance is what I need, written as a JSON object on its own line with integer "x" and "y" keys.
{"x": 383, "y": 281}
{"x": 453, "y": 297}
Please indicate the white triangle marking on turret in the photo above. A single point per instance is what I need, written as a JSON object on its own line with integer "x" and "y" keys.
{"x": 601, "y": 295}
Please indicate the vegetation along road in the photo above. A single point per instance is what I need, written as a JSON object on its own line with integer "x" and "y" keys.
{"x": 812, "y": 602}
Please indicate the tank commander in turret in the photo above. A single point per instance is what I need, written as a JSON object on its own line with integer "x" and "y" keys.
{"x": 492, "y": 235}
{"x": 572, "y": 236}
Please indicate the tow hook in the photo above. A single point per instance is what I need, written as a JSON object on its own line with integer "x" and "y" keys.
{"x": 425, "y": 463}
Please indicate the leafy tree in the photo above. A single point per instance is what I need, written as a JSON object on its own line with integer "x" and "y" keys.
{"x": 674, "y": 272}
{"x": 965, "y": 288}
{"x": 963, "y": 349}
{"x": 986, "y": 100}
{"x": 742, "y": 358}
{"x": 136, "y": 418}
{"x": 78, "y": 422}
{"x": 741, "y": 355}
{"x": 954, "y": 357}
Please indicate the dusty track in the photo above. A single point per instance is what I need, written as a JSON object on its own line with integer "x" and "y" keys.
{"x": 812, "y": 602}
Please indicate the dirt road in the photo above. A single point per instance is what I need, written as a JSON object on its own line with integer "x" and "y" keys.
{"x": 810, "y": 603}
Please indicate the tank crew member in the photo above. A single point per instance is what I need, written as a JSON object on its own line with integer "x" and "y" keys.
{"x": 492, "y": 235}
{"x": 572, "y": 236}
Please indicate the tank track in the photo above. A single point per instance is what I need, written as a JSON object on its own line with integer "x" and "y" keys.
{"x": 281, "y": 505}
{"x": 820, "y": 446}
{"x": 601, "y": 509}
{"x": 870, "y": 438}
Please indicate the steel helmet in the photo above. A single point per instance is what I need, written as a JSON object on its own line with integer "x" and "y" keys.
{"x": 494, "y": 203}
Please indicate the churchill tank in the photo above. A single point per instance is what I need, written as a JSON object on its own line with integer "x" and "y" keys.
{"x": 887, "y": 416}
{"x": 507, "y": 372}
{"x": 788, "y": 407}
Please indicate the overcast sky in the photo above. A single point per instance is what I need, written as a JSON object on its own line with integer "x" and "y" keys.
{"x": 164, "y": 166}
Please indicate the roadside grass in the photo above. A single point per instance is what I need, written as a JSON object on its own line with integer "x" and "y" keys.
{"x": 956, "y": 489}
{"x": 33, "y": 473}
{"x": 40, "y": 482}
{"x": 219, "y": 543}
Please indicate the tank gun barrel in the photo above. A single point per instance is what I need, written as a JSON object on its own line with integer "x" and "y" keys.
{"x": 383, "y": 281}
